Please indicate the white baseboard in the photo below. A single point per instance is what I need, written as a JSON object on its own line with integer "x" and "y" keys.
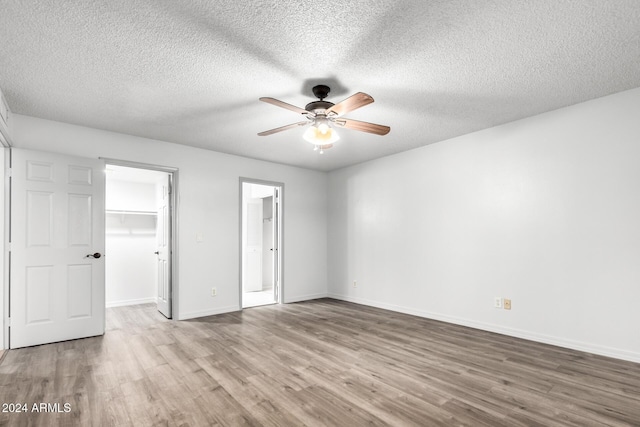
{"x": 210, "y": 312}
{"x": 122, "y": 303}
{"x": 304, "y": 298}
{"x": 517, "y": 333}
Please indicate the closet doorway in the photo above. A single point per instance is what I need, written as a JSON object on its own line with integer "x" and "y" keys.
{"x": 261, "y": 234}
{"x": 138, "y": 237}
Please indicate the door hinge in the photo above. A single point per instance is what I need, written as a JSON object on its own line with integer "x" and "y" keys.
{"x": 9, "y": 321}
{"x": 8, "y": 173}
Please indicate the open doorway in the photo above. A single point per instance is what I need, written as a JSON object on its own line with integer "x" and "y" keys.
{"x": 138, "y": 236}
{"x": 261, "y": 234}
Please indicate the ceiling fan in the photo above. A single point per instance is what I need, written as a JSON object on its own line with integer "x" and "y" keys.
{"x": 323, "y": 116}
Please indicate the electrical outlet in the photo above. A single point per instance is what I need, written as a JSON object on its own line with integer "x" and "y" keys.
{"x": 355, "y": 284}
{"x": 214, "y": 292}
{"x": 497, "y": 302}
{"x": 507, "y": 304}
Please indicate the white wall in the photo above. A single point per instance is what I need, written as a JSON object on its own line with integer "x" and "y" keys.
{"x": 545, "y": 211}
{"x": 130, "y": 242}
{"x": 259, "y": 191}
{"x": 209, "y": 205}
{"x": 268, "y": 258}
{"x": 130, "y": 196}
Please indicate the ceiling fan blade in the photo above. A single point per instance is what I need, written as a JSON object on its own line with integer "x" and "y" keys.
{"x": 281, "y": 128}
{"x": 351, "y": 103}
{"x": 282, "y": 104}
{"x": 363, "y": 126}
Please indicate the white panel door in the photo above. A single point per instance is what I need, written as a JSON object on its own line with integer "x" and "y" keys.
{"x": 57, "y": 242}
{"x": 253, "y": 246}
{"x": 163, "y": 251}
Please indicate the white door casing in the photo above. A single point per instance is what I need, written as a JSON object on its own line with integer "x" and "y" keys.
{"x": 57, "y": 224}
{"x": 163, "y": 246}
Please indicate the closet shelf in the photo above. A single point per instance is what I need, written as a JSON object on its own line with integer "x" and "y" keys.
{"x": 115, "y": 212}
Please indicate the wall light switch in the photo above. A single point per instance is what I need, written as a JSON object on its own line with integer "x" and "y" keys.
{"x": 507, "y": 304}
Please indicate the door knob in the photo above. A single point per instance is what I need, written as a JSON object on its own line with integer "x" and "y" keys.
{"x": 157, "y": 253}
{"x": 96, "y": 255}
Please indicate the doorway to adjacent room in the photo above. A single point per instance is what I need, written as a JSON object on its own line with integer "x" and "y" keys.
{"x": 138, "y": 237}
{"x": 261, "y": 235}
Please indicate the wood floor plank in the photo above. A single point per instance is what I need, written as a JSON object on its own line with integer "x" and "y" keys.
{"x": 315, "y": 363}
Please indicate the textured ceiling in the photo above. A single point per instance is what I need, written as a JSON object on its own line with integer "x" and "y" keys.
{"x": 191, "y": 72}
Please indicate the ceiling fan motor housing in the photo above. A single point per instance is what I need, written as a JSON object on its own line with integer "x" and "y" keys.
{"x": 318, "y": 105}
{"x": 321, "y": 91}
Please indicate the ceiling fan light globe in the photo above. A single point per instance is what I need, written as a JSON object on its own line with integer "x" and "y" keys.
{"x": 323, "y": 128}
{"x": 315, "y": 136}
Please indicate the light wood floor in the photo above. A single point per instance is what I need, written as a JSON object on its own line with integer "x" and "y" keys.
{"x": 315, "y": 363}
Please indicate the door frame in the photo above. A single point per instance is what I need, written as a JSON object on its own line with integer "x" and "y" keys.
{"x": 173, "y": 259}
{"x": 280, "y": 252}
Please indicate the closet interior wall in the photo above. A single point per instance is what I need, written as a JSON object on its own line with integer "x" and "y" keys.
{"x": 130, "y": 243}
